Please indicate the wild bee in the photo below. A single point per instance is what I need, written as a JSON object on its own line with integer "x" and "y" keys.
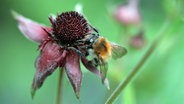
{"x": 98, "y": 49}
{"x": 101, "y": 50}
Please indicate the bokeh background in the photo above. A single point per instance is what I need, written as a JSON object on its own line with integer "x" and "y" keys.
{"x": 160, "y": 80}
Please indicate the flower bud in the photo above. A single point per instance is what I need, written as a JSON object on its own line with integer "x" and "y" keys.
{"x": 128, "y": 14}
{"x": 138, "y": 40}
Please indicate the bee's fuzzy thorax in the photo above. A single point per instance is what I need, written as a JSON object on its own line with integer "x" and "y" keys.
{"x": 103, "y": 48}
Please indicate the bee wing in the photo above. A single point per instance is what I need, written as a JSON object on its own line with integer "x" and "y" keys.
{"x": 117, "y": 51}
{"x": 103, "y": 69}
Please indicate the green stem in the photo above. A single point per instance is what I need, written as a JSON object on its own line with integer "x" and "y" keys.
{"x": 59, "y": 92}
{"x": 155, "y": 43}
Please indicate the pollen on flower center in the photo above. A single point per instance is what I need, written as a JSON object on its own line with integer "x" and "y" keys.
{"x": 69, "y": 27}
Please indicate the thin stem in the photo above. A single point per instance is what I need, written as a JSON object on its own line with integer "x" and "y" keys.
{"x": 60, "y": 80}
{"x": 122, "y": 85}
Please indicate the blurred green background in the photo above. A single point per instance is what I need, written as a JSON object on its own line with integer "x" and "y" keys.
{"x": 160, "y": 80}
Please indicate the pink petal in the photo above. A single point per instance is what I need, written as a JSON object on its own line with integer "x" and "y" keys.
{"x": 31, "y": 30}
{"x": 127, "y": 15}
{"x": 73, "y": 71}
{"x": 50, "y": 58}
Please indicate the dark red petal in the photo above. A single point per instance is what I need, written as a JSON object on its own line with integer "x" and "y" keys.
{"x": 73, "y": 71}
{"x": 32, "y": 30}
{"x": 50, "y": 58}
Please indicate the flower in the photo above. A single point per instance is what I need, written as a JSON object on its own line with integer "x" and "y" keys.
{"x": 138, "y": 40}
{"x": 128, "y": 14}
{"x": 58, "y": 47}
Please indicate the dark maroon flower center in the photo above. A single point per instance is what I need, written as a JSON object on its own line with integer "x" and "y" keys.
{"x": 69, "y": 27}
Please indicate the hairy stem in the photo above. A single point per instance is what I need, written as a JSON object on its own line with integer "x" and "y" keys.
{"x": 154, "y": 44}
{"x": 59, "y": 91}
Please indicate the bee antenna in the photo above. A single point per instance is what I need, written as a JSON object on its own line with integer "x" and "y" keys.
{"x": 98, "y": 33}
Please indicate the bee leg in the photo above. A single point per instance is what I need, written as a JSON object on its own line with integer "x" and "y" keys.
{"x": 76, "y": 50}
{"x": 87, "y": 47}
{"x": 94, "y": 62}
{"x": 91, "y": 62}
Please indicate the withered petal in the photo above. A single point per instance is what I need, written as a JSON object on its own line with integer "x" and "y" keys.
{"x": 73, "y": 71}
{"x": 49, "y": 59}
{"x": 31, "y": 29}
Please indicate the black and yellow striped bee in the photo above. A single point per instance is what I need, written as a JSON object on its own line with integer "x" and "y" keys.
{"x": 101, "y": 50}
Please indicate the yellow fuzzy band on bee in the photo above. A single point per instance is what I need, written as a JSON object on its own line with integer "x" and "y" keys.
{"x": 102, "y": 48}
